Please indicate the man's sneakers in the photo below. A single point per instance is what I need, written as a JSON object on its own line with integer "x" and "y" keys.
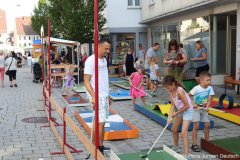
{"x": 103, "y": 148}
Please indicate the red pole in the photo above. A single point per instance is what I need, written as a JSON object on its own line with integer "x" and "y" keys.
{"x": 42, "y": 34}
{"x": 64, "y": 129}
{"x": 49, "y": 71}
{"x": 96, "y": 74}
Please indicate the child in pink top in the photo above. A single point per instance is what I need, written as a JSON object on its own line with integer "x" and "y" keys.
{"x": 136, "y": 83}
{"x": 182, "y": 111}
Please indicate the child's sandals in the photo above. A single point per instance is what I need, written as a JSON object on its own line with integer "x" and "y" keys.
{"x": 195, "y": 148}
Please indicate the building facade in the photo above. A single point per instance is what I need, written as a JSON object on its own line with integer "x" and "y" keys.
{"x": 123, "y": 17}
{"x": 3, "y": 29}
{"x": 23, "y": 33}
{"x": 215, "y": 22}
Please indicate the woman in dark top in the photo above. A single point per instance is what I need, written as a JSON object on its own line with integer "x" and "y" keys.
{"x": 129, "y": 61}
{"x": 201, "y": 59}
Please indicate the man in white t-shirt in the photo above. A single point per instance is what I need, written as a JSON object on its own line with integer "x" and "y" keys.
{"x": 103, "y": 88}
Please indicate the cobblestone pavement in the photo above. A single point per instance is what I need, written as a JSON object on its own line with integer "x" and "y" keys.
{"x": 21, "y": 140}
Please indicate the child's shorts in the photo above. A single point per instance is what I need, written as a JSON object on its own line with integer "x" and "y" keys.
{"x": 103, "y": 108}
{"x": 200, "y": 116}
{"x": 186, "y": 115}
{"x": 148, "y": 72}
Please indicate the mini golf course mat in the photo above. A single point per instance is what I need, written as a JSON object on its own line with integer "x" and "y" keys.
{"x": 165, "y": 154}
{"x": 125, "y": 78}
{"x": 228, "y": 148}
{"x": 75, "y": 101}
{"x": 79, "y": 89}
{"x": 115, "y": 79}
{"x": 189, "y": 84}
{"x": 231, "y": 114}
{"x": 115, "y": 128}
{"x": 159, "y": 112}
{"x": 124, "y": 85}
{"x": 120, "y": 95}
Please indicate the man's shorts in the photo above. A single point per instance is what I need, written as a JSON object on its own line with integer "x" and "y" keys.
{"x": 148, "y": 72}
{"x": 103, "y": 108}
{"x": 186, "y": 115}
{"x": 200, "y": 116}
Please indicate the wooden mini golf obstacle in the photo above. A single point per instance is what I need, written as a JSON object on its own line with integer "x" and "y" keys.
{"x": 225, "y": 149}
{"x": 226, "y": 109}
{"x": 120, "y": 94}
{"x": 159, "y": 114}
{"x": 116, "y": 127}
{"x": 76, "y": 100}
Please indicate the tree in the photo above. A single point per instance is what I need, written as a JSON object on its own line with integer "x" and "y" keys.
{"x": 73, "y": 19}
{"x": 40, "y": 17}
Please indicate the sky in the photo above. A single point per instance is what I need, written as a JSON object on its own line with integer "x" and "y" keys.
{"x": 16, "y": 8}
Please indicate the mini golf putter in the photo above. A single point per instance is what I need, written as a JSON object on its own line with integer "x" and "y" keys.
{"x": 145, "y": 156}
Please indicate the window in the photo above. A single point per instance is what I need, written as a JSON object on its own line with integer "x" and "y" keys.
{"x": 19, "y": 44}
{"x": 29, "y": 37}
{"x": 25, "y": 45}
{"x": 151, "y": 2}
{"x": 29, "y": 44}
{"x": 24, "y": 37}
{"x": 130, "y": 2}
{"x": 0, "y": 35}
{"x": 137, "y": 2}
{"x": 133, "y": 3}
{"x": 19, "y": 37}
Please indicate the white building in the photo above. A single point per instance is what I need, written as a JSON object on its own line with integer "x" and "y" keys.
{"x": 215, "y": 22}
{"x": 23, "y": 33}
{"x": 123, "y": 19}
{"x": 3, "y": 30}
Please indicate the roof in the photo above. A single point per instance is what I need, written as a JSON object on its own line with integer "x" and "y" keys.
{"x": 23, "y": 26}
{"x": 3, "y": 24}
{"x": 63, "y": 41}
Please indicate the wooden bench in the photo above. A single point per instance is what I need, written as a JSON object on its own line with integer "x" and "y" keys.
{"x": 230, "y": 80}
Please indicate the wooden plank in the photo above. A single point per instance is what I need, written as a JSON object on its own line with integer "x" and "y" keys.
{"x": 55, "y": 105}
{"x": 62, "y": 74}
{"x": 62, "y": 66}
{"x": 82, "y": 137}
{"x": 60, "y": 141}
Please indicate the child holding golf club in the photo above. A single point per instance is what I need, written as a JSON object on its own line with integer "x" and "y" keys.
{"x": 202, "y": 95}
{"x": 182, "y": 111}
{"x": 136, "y": 83}
{"x": 67, "y": 90}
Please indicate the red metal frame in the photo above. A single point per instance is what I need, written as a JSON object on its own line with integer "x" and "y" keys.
{"x": 42, "y": 34}
{"x": 96, "y": 75}
{"x": 65, "y": 138}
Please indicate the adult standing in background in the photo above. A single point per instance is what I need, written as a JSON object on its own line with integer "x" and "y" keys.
{"x": 175, "y": 59}
{"x": 103, "y": 92}
{"x": 151, "y": 53}
{"x": 2, "y": 68}
{"x": 201, "y": 59}
{"x": 11, "y": 65}
{"x": 129, "y": 60}
{"x": 141, "y": 54}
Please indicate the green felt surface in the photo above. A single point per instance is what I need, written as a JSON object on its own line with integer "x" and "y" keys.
{"x": 189, "y": 84}
{"x": 154, "y": 155}
{"x": 229, "y": 144}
